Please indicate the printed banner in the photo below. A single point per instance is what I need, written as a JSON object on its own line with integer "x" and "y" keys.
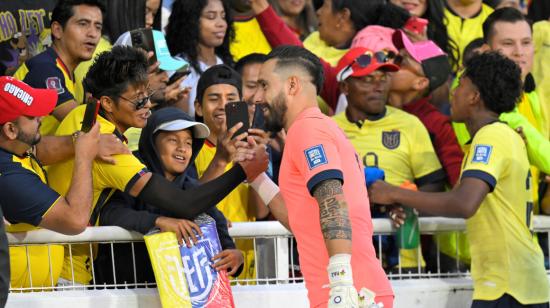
{"x": 166, "y": 261}
{"x": 185, "y": 276}
{"x": 207, "y": 287}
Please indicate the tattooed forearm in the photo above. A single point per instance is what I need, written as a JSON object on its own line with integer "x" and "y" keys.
{"x": 333, "y": 210}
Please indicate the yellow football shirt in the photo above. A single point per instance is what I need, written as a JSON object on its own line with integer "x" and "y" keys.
{"x": 234, "y": 206}
{"x": 541, "y": 68}
{"x": 32, "y": 263}
{"x": 106, "y": 179}
{"x": 530, "y": 109}
{"x": 249, "y": 38}
{"x": 47, "y": 71}
{"x": 400, "y": 145}
{"x": 319, "y": 48}
{"x": 462, "y": 31}
{"x": 505, "y": 255}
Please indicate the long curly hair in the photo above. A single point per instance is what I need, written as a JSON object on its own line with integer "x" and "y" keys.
{"x": 437, "y": 30}
{"x": 183, "y": 30}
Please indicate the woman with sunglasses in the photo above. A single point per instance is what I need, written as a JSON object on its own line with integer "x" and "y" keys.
{"x": 122, "y": 72}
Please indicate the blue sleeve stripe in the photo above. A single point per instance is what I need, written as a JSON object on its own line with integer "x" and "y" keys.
{"x": 322, "y": 176}
{"x": 482, "y": 175}
{"x": 436, "y": 176}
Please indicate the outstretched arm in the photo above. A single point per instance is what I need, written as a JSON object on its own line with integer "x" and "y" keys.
{"x": 463, "y": 201}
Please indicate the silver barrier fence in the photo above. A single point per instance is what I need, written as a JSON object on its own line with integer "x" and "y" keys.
{"x": 275, "y": 260}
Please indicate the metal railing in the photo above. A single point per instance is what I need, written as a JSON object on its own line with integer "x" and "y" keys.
{"x": 273, "y": 246}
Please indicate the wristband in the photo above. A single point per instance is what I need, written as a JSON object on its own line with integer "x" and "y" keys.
{"x": 266, "y": 189}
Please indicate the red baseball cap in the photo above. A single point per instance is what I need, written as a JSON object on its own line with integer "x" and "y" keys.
{"x": 351, "y": 64}
{"x": 18, "y": 98}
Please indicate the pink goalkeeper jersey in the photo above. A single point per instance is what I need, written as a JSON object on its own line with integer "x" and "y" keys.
{"x": 316, "y": 149}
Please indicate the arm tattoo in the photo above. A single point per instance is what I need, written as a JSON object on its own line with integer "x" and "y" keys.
{"x": 333, "y": 210}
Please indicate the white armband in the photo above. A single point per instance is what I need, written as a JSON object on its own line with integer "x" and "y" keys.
{"x": 266, "y": 189}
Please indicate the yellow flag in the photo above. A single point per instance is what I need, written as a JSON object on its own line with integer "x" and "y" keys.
{"x": 166, "y": 260}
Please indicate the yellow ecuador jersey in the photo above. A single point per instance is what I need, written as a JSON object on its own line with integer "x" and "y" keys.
{"x": 47, "y": 71}
{"x": 234, "y": 206}
{"x": 399, "y": 144}
{"x": 505, "y": 255}
{"x": 464, "y": 30}
{"x": 106, "y": 179}
{"x": 249, "y": 38}
{"x": 528, "y": 107}
{"x": 29, "y": 265}
{"x": 318, "y": 47}
{"x": 541, "y": 67}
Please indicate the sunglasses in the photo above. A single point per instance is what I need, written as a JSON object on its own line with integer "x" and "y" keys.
{"x": 367, "y": 58}
{"x": 140, "y": 103}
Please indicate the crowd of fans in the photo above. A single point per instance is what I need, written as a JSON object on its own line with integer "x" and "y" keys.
{"x": 388, "y": 82}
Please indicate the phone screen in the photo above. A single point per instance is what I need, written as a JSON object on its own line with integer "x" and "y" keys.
{"x": 236, "y": 112}
{"x": 90, "y": 114}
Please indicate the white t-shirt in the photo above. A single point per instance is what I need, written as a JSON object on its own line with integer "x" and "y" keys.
{"x": 192, "y": 80}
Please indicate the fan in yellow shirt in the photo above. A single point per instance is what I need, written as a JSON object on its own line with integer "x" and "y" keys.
{"x": 383, "y": 136}
{"x": 218, "y": 86}
{"x": 119, "y": 78}
{"x": 494, "y": 193}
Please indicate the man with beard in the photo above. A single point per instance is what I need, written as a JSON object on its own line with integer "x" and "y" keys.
{"x": 26, "y": 201}
{"x": 329, "y": 217}
{"x": 118, "y": 80}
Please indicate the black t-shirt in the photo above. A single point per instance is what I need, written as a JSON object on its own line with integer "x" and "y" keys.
{"x": 21, "y": 24}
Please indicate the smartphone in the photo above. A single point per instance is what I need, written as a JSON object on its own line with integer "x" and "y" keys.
{"x": 184, "y": 71}
{"x": 90, "y": 114}
{"x": 236, "y": 112}
{"x": 416, "y": 25}
{"x": 143, "y": 38}
{"x": 258, "y": 121}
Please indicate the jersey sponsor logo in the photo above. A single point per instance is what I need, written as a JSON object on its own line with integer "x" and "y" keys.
{"x": 391, "y": 140}
{"x": 315, "y": 156}
{"x": 482, "y": 153}
{"x": 54, "y": 83}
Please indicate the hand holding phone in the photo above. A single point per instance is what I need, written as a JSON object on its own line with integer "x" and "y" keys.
{"x": 236, "y": 112}
{"x": 184, "y": 71}
{"x": 416, "y": 24}
{"x": 90, "y": 114}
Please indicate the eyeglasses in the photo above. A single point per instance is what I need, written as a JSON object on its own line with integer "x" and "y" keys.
{"x": 140, "y": 103}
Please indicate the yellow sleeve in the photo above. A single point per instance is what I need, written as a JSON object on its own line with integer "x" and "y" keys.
{"x": 486, "y": 158}
{"x": 127, "y": 170}
{"x": 424, "y": 161}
